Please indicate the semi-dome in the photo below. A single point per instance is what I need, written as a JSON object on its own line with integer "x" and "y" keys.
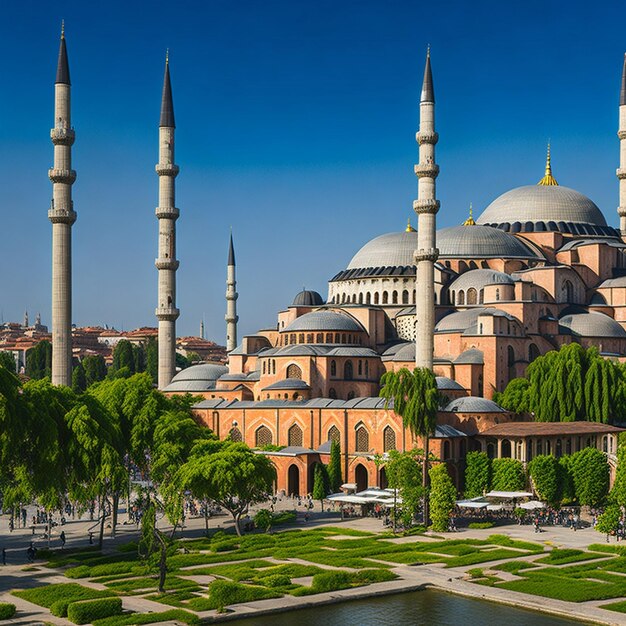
{"x": 308, "y": 297}
{"x": 323, "y": 320}
{"x": 593, "y": 324}
{"x": 197, "y": 378}
{"x": 390, "y": 250}
{"x": 447, "y": 384}
{"x": 459, "y": 321}
{"x": 472, "y": 404}
{"x": 481, "y": 242}
{"x": 539, "y": 208}
{"x": 479, "y": 279}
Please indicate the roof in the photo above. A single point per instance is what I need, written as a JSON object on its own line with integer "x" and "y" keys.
{"x": 480, "y": 278}
{"x": 536, "y": 429}
{"x": 323, "y": 320}
{"x": 389, "y": 250}
{"x": 63, "y": 67}
{"x": 443, "y": 382}
{"x": 231, "y": 251}
{"x": 202, "y": 372}
{"x": 308, "y": 297}
{"x": 579, "y": 243}
{"x": 459, "y": 321}
{"x": 472, "y": 404}
{"x": 288, "y": 383}
{"x": 355, "y": 351}
{"x": 302, "y": 349}
{"x": 592, "y": 324}
{"x": 190, "y": 385}
{"x": 446, "y": 431}
{"x": 167, "y": 104}
{"x": 428, "y": 92}
{"x": 473, "y": 356}
{"x": 619, "y": 281}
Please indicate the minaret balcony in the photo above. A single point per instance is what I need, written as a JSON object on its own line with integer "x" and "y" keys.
{"x": 621, "y": 211}
{"x": 231, "y": 320}
{"x": 62, "y": 176}
{"x": 432, "y": 254}
{"x": 621, "y": 134}
{"x": 426, "y": 170}
{"x": 167, "y": 212}
{"x": 62, "y": 136}
{"x": 427, "y": 136}
{"x": 231, "y": 295}
{"x": 620, "y": 172}
{"x": 167, "y": 169}
{"x": 164, "y": 263}
{"x": 167, "y": 313}
{"x": 427, "y": 205}
{"x": 62, "y": 216}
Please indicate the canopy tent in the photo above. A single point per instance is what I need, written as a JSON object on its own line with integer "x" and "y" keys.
{"x": 474, "y": 503}
{"x": 369, "y": 496}
{"x": 495, "y": 507}
{"x": 509, "y": 495}
{"x": 532, "y": 505}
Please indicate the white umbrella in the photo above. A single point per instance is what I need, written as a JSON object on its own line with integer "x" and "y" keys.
{"x": 532, "y": 505}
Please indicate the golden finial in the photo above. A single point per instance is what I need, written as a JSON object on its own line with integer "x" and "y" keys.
{"x": 470, "y": 220}
{"x": 548, "y": 180}
{"x": 62, "y": 29}
{"x": 409, "y": 228}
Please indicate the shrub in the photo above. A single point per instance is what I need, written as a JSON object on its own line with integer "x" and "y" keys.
{"x": 59, "y": 608}
{"x": 475, "y": 572}
{"x": 81, "y": 571}
{"x": 47, "y": 595}
{"x": 477, "y": 474}
{"x": 545, "y": 473}
{"x": 275, "y": 580}
{"x": 286, "y": 517}
{"x": 264, "y": 519}
{"x": 442, "y": 497}
{"x": 481, "y": 525}
{"x": 86, "y": 611}
{"x": 134, "y": 619}
{"x": 331, "y": 581}
{"x": 7, "y": 610}
{"x": 590, "y": 475}
{"x": 508, "y": 475}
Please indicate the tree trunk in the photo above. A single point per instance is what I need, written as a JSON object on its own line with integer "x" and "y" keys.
{"x": 162, "y": 566}
{"x": 236, "y": 517}
{"x": 322, "y": 503}
{"x": 206, "y": 518}
{"x": 425, "y": 480}
{"x": 116, "y": 502}
{"x": 103, "y": 514}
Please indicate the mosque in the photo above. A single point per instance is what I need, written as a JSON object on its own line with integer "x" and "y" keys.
{"x": 539, "y": 268}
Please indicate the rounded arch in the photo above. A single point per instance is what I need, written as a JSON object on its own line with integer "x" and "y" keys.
{"x": 383, "y": 482}
{"x": 294, "y": 371}
{"x": 334, "y": 434}
{"x": 333, "y": 368}
{"x": 361, "y": 477}
{"x": 293, "y": 480}
{"x": 472, "y": 296}
{"x": 447, "y": 450}
{"x": 533, "y": 352}
{"x": 506, "y": 449}
{"x": 348, "y": 370}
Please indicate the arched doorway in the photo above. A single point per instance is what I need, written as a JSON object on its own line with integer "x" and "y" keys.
{"x": 293, "y": 481}
{"x": 383, "y": 483}
{"x": 506, "y": 449}
{"x": 360, "y": 477}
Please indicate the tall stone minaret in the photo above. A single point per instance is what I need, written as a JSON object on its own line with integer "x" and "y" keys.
{"x": 231, "y": 300}
{"x": 167, "y": 214}
{"x": 426, "y": 207}
{"x": 621, "y": 172}
{"x": 62, "y": 216}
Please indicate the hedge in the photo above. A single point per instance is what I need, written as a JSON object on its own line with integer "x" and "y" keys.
{"x": 134, "y": 619}
{"x": 7, "y": 610}
{"x": 47, "y": 595}
{"x": 86, "y": 611}
{"x": 481, "y": 525}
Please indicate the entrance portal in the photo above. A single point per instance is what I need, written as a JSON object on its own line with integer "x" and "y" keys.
{"x": 360, "y": 477}
{"x": 293, "y": 481}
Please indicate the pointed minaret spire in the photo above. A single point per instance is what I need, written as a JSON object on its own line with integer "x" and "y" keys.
{"x": 202, "y": 328}
{"x": 426, "y": 207}
{"x": 63, "y": 67}
{"x": 231, "y": 316}
{"x": 167, "y": 104}
{"x": 62, "y": 216}
{"x": 621, "y": 171}
{"x": 167, "y": 214}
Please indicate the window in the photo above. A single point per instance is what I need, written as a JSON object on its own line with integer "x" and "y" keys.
{"x": 293, "y": 371}
{"x": 498, "y": 294}
{"x": 301, "y": 338}
{"x": 332, "y": 394}
{"x": 360, "y": 298}
{"x": 333, "y": 368}
{"x": 376, "y": 298}
{"x": 351, "y": 395}
{"x": 319, "y": 338}
{"x": 333, "y": 434}
{"x": 405, "y": 297}
{"x": 294, "y": 436}
{"x": 389, "y": 439}
{"x": 471, "y": 296}
{"x": 235, "y": 434}
{"x": 348, "y": 371}
{"x": 264, "y": 367}
{"x": 385, "y": 297}
{"x": 329, "y": 337}
{"x": 461, "y": 297}
{"x": 394, "y": 297}
{"x": 273, "y": 366}
{"x": 368, "y": 298}
{"x": 262, "y": 437}
{"x": 362, "y": 439}
{"x": 367, "y": 369}
{"x": 360, "y": 367}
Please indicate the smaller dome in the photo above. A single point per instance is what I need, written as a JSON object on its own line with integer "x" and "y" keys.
{"x": 460, "y": 321}
{"x": 473, "y": 356}
{"x": 308, "y": 298}
{"x": 287, "y": 383}
{"x": 620, "y": 281}
{"x": 202, "y": 371}
{"x": 592, "y": 324}
{"x": 479, "y": 279}
{"x": 472, "y": 404}
{"x": 323, "y": 320}
{"x": 445, "y": 383}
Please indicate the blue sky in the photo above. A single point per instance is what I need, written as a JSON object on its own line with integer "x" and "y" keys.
{"x": 296, "y": 126}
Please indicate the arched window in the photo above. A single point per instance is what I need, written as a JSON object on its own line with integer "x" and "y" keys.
{"x": 510, "y": 356}
{"x": 413, "y": 301}
{"x": 337, "y": 338}
{"x": 360, "y": 367}
{"x": 294, "y": 436}
{"x": 568, "y": 289}
{"x": 498, "y": 293}
{"x": 471, "y": 296}
{"x": 446, "y": 450}
{"x": 481, "y": 296}
{"x": 533, "y": 352}
{"x": 351, "y": 395}
{"x": 332, "y": 394}
{"x": 354, "y": 298}
{"x": 273, "y": 366}
{"x": 394, "y": 297}
{"x": 235, "y": 434}
{"x": 264, "y": 367}
{"x": 301, "y": 338}
{"x": 405, "y": 297}
{"x": 461, "y": 297}
{"x": 368, "y": 298}
{"x": 262, "y": 437}
{"x": 309, "y": 338}
{"x": 348, "y": 371}
{"x": 319, "y": 338}
{"x": 293, "y": 371}
{"x": 367, "y": 369}
{"x": 360, "y": 298}
{"x": 452, "y": 298}
{"x": 333, "y": 434}
{"x": 385, "y": 297}
{"x": 333, "y": 368}
{"x": 376, "y": 297}
{"x": 329, "y": 337}
{"x": 389, "y": 439}
{"x": 362, "y": 439}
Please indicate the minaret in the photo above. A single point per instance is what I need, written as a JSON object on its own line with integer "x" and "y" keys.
{"x": 621, "y": 172}
{"x": 426, "y": 207}
{"x": 167, "y": 214}
{"x": 62, "y": 216}
{"x": 202, "y": 328}
{"x": 25, "y": 324}
{"x": 231, "y": 300}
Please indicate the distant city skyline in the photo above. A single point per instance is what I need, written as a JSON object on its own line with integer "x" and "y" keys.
{"x": 296, "y": 126}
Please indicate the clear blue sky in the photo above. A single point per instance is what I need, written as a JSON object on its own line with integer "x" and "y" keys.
{"x": 296, "y": 126}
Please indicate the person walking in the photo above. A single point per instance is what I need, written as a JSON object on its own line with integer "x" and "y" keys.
{"x": 62, "y": 538}
{"x": 4, "y": 556}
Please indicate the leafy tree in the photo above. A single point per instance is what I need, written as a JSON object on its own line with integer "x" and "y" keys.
{"x": 618, "y": 492}
{"x": 152, "y": 542}
{"x": 95, "y": 369}
{"x": 182, "y": 362}
{"x": 123, "y": 357}
{"x": 151, "y": 351}
{"x": 334, "y": 467}
{"x": 514, "y": 398}
{"x": 442, "y": 497}
{"x": 608, "y": 522}
{"x": 404, "y": 473}
{"x": 590, "y": 475}
{"x": 264, "y": 519}
{"x": 7, "y": 360}
{"x": 477, "y": 474}
{"x": 565, "y": 479}
{"x": 230, "y": 474}
{"x": 508, "y": 475}
{"x": 320, "y": 484}
{"x": 546, "y": 474}
{"x": 79, "y": 380}
{"x": 39, "y": 360}
{"x": 416, "y": 399}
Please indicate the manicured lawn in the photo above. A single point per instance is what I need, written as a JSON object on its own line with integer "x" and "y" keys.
{"x": 561, "y": 557}
{"x": 47, "y": 595}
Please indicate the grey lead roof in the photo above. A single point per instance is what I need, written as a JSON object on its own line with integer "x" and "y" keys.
{"x": 288, "y": 383}
{"x": 308, "y": 297}
{"x": 167, "y": 104}
{"x": 63, "y": 67}
{"x": 428, "y": 92}
{"x": 323, "y": 320}
{"x": 480, "y": 278}
{"x": 472, "y": 404}
{"x": 592, "y": 324}
{"x": 231, "y": 251}
{"x": 473, "y": 356}
{"x": 622, "y": 93}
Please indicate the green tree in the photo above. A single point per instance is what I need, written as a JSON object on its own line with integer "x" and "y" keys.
{"x": 39, "y": 360}
{"x": 230, "y": 474}
{"x": 508, "y": 475}
{"x": 320, "y": 484}
{"x": 565, "y": 479}
{"x": 608, "y": 522}
{"x": 123, "y": 357}
{"x": 153, "y": 542}
{"x": 477, "y": 474}
{"x": 514, "y": 398}
{"x": 404, "y": 473}
{"x": 415, "y": 398}
{"x": 95, "y": 369}
{"x": 334, "y": 467}
{"x": 590, "y": 475}
{"x": 79, "y": 380}
{"x": 264, "y": 519}
{"x": 618, "y": 492}
{"x": 152, "y": 359}
{"x": 545, "y": 473}
{"x": 442, "y": 497}
{"x": 7, "y": 360}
